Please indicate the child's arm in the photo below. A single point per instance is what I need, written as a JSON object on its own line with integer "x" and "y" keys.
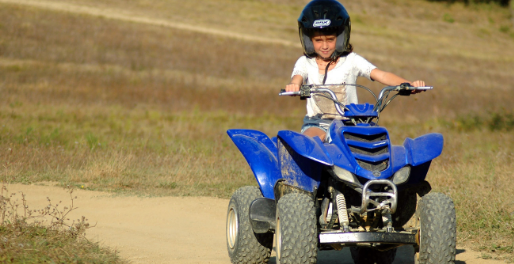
{"x": 294, "y": 85}
{"x": 388, "y": 78}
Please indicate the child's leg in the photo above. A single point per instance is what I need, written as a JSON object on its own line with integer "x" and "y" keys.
{"x": 315, "y": 132}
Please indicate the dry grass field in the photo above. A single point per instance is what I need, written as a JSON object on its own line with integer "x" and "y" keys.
{"x": 135, "y": 96}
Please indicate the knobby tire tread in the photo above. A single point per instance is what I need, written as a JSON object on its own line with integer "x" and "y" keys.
{"x": 251, "y": 248}
{"x": 438, "y": 229}
{"x": 299, "y": 229}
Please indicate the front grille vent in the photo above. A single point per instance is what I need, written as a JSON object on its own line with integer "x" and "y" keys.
{"x": 369, "y": 152}
{"x": 362, "y": 145}
{"x": 365, "y": 138}
{"x": 373, "y": 166}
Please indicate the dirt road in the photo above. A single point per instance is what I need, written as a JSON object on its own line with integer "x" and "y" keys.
{"x": 170, "y": 229}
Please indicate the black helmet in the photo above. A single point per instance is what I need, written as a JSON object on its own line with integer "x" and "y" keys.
{"x": 328, "y": 17}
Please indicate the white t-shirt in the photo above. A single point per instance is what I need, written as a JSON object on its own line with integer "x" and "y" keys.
{"x": 346, "y": 71}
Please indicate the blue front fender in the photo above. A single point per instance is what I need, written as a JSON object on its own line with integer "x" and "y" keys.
{"x": 308, "y": 147}
{"x": 261, "y": 154}
{"x": 301, "y": 160}
{"x": 424, "y": 148}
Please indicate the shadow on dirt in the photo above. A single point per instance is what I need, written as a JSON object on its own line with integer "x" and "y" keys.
{"x": 404, "y": 255}
{"x": 458, "y": 252}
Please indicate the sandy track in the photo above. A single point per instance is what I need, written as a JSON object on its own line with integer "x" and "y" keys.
{"x": 170, "y": 229}
{"x": 127, "y": 16}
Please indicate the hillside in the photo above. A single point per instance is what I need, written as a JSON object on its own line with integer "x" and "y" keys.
{"x": 452, "y": 47}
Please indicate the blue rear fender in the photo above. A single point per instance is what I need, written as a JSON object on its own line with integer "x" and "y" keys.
{"x": 261, "y": 154}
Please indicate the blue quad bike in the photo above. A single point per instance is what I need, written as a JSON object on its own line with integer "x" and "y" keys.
{"x": 354, "y": 190}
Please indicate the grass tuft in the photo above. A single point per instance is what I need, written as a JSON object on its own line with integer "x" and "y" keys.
{"x": 46, "y": 235}
{"x": 448, "y": 18}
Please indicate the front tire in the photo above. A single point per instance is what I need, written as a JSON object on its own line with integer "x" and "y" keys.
{"x": 245, "y": 246}
{"x": 437, "y": 238}
{"x": 296, "y": 231}
{"x": 364, "y": 255}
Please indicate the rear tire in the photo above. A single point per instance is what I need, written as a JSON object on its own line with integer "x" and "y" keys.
{"x": 364, "y": 255}
{"x": 437, "y": 230}
{"x": 245, "y": 246}
{"x": 296, "y": 232}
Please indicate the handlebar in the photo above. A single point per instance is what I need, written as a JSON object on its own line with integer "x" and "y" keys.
{"x": 404, "y": 89}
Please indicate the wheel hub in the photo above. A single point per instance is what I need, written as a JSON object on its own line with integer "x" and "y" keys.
{"x": 278, "y": 240}
{"x": 232, "y": 228}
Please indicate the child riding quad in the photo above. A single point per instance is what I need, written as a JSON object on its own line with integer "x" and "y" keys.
{"x": 340, "y": 183}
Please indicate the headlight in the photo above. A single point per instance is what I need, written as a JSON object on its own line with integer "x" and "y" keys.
{"x": 344, "y": 175}
{"x": 402, "y": 175}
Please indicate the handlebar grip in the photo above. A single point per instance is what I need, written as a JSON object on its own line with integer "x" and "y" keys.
{"x": 288, "y": 93}
{"x": 424, "y": 88}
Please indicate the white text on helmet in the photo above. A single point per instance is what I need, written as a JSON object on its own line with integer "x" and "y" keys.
{"x": 321, "y": 23}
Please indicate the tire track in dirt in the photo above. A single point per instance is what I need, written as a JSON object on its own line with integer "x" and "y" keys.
{"x": 123, "y": 15}
{"x": 171, "y": 229}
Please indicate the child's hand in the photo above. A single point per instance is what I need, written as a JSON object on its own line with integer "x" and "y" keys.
{"x": 292, "y": 87}
{"x": 418, "y": 83}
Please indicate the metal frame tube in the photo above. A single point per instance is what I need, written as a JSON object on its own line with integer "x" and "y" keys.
{"x": 367, "y": 194}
